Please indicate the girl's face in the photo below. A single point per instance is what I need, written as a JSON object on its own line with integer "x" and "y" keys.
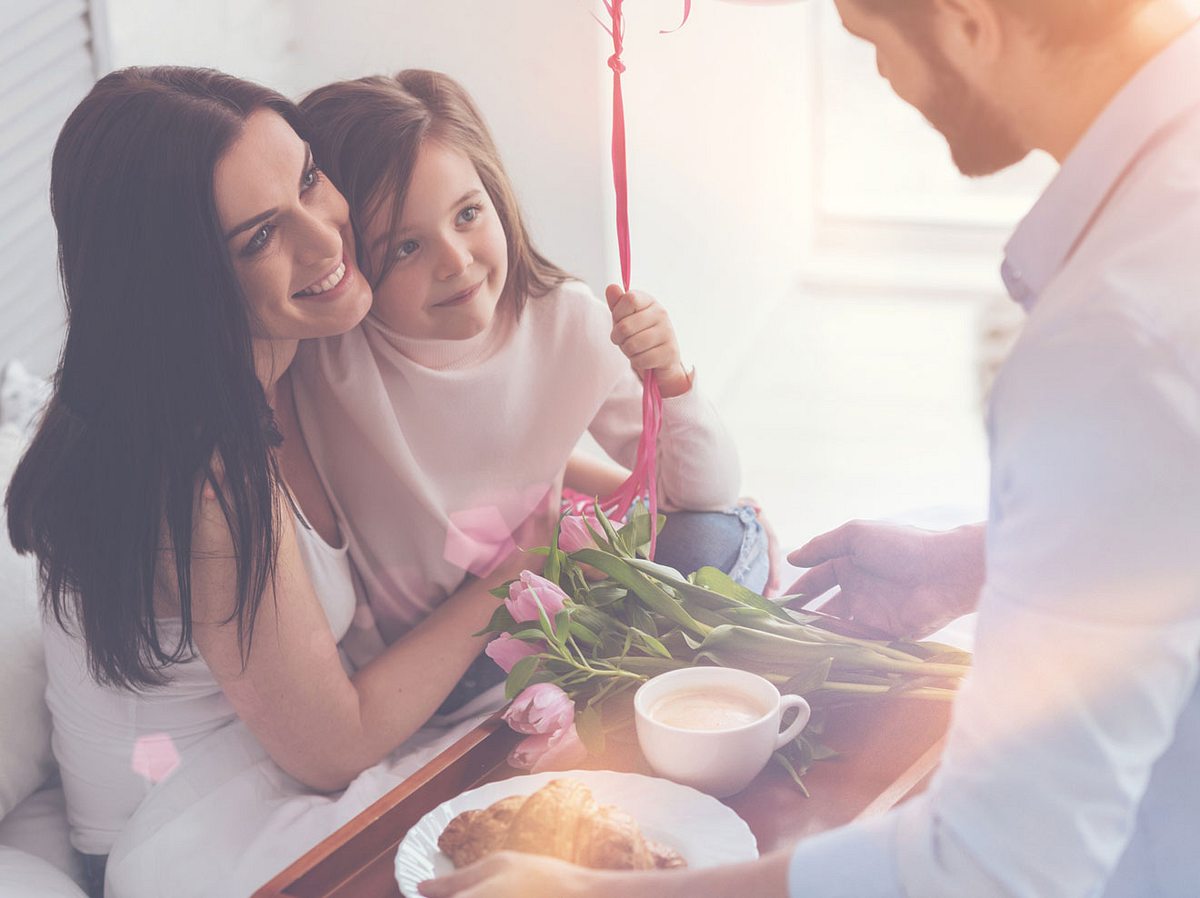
{"x": 451, "y": 257}
{"x": 288, "y": 233}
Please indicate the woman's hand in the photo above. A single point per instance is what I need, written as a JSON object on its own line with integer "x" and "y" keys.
{"x": 643, "y": 331}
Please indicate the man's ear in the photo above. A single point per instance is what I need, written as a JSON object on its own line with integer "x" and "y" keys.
{"x": 969, "y": 32}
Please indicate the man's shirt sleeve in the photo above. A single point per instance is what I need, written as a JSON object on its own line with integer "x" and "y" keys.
{"x": 1088, "y": 639}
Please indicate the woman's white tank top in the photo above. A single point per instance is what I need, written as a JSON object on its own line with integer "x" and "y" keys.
{"x": 113, "y": 745}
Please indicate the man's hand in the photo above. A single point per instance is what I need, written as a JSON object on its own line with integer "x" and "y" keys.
{"x": 509, "y": 875}
{"x": 902, "y": 580}
{"x": 643, "y": 331}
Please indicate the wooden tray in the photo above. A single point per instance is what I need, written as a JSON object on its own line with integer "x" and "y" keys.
{"x": 889, "y": 750}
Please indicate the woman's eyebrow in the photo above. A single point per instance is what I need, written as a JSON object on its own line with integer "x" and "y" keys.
{"x": 250, "y": 222}
{"x": 263, "y": 216}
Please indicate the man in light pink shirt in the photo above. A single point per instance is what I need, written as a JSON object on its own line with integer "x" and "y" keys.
{"x": 1073, "y": 763}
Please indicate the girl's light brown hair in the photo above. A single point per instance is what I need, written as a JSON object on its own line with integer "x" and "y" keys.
{"x": 365, "y": 134}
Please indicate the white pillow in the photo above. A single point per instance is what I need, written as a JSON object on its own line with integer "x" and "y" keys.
{"x": 39, "y": 826}
{"x": 25, "y": 757}
{"x": 25, "y": 876}
{"x": 22, "y": 395}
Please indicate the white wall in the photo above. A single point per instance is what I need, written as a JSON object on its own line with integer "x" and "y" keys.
{"x": 719, "y": 116}
{"x": 250, "y": 38}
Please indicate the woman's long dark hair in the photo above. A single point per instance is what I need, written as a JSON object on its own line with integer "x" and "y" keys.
{"x": 156, "y": 385}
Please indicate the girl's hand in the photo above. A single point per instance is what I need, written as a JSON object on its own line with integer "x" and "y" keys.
{"x": 644, "y": 333}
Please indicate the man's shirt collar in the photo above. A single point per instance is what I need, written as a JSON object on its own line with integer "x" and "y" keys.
{"x": 1163, "y": 90}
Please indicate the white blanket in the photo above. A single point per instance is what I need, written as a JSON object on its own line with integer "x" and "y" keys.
{"x": 224, "y": 826}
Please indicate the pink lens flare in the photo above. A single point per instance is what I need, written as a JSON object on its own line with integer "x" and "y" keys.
{"x": 478, "y": 539}
{"x": 154, "y": 757}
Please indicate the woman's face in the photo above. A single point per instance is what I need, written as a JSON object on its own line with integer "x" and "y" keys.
{"x": 451, "y": 253}
{"x": 288, "y": 233}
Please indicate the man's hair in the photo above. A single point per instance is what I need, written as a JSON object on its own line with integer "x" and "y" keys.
{"x": 1059, "y": 21}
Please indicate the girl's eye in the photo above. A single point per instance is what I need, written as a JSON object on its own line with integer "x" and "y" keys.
{"x": 469, "y": 214}
{"x": 311, "y": 178}
{"x": 260, "y": 239}
{"x": 406, "y": 249}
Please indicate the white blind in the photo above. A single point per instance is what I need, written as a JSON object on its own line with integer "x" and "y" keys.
{"x": 46, "y": 66}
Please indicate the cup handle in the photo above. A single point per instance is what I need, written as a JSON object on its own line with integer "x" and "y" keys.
{"x": 798, "y": 702}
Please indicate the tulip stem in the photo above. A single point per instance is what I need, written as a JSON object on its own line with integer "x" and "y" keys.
{"x": 609, "y": 671}
{"x": 582, "y": 657}
{"x": 929, "y": 693}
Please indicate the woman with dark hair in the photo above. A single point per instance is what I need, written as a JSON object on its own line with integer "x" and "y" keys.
{"x": 194, "y": 571}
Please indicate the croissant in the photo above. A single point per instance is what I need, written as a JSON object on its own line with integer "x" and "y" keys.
{"x": 560, "y": 820}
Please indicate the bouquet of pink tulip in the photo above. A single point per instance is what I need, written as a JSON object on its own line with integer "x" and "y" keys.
{"x": 602, "y": 619}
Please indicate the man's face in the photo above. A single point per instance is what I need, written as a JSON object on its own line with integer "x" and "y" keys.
{"x": 981, "y": 138}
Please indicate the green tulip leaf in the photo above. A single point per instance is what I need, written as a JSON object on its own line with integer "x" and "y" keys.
{"x": 519, "y": 677}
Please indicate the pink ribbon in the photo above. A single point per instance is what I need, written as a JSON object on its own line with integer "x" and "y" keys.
{"x": 643, "y": 480}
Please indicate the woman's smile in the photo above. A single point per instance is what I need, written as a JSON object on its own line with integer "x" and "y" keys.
{"x": 332, "y": 285}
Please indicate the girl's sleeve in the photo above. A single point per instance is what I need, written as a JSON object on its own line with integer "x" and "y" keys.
{"x": 698, "y": 467}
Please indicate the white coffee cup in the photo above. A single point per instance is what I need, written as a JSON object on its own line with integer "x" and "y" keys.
{"x": 723, "y": 729}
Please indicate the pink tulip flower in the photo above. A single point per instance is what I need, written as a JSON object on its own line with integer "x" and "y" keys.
{"x": 506, "y": 651}
{"x": 573, "y": 533}
{"x": 531, "y": 591}
{"x": 550, "y": 751}
{"x": 540, "y": 709}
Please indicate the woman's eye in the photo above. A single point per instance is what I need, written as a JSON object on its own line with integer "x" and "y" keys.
{"x": 470, "y": 213}
{"x": 406, "y": 249}
{"x": 260, "y": 239}
{"x": 311, "y": 178}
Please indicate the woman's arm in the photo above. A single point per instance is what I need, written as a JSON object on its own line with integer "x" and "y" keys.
{"x": 320, "y": 725}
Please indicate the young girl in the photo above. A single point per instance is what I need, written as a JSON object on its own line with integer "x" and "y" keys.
{"x": 441, "y": 420}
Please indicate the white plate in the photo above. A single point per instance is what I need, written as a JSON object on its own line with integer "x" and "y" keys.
{"x": 699, "y": 827}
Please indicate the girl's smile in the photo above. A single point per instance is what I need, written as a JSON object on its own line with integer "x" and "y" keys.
{"x": 459, "y": 298}
{"x": 450, "y": 254}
